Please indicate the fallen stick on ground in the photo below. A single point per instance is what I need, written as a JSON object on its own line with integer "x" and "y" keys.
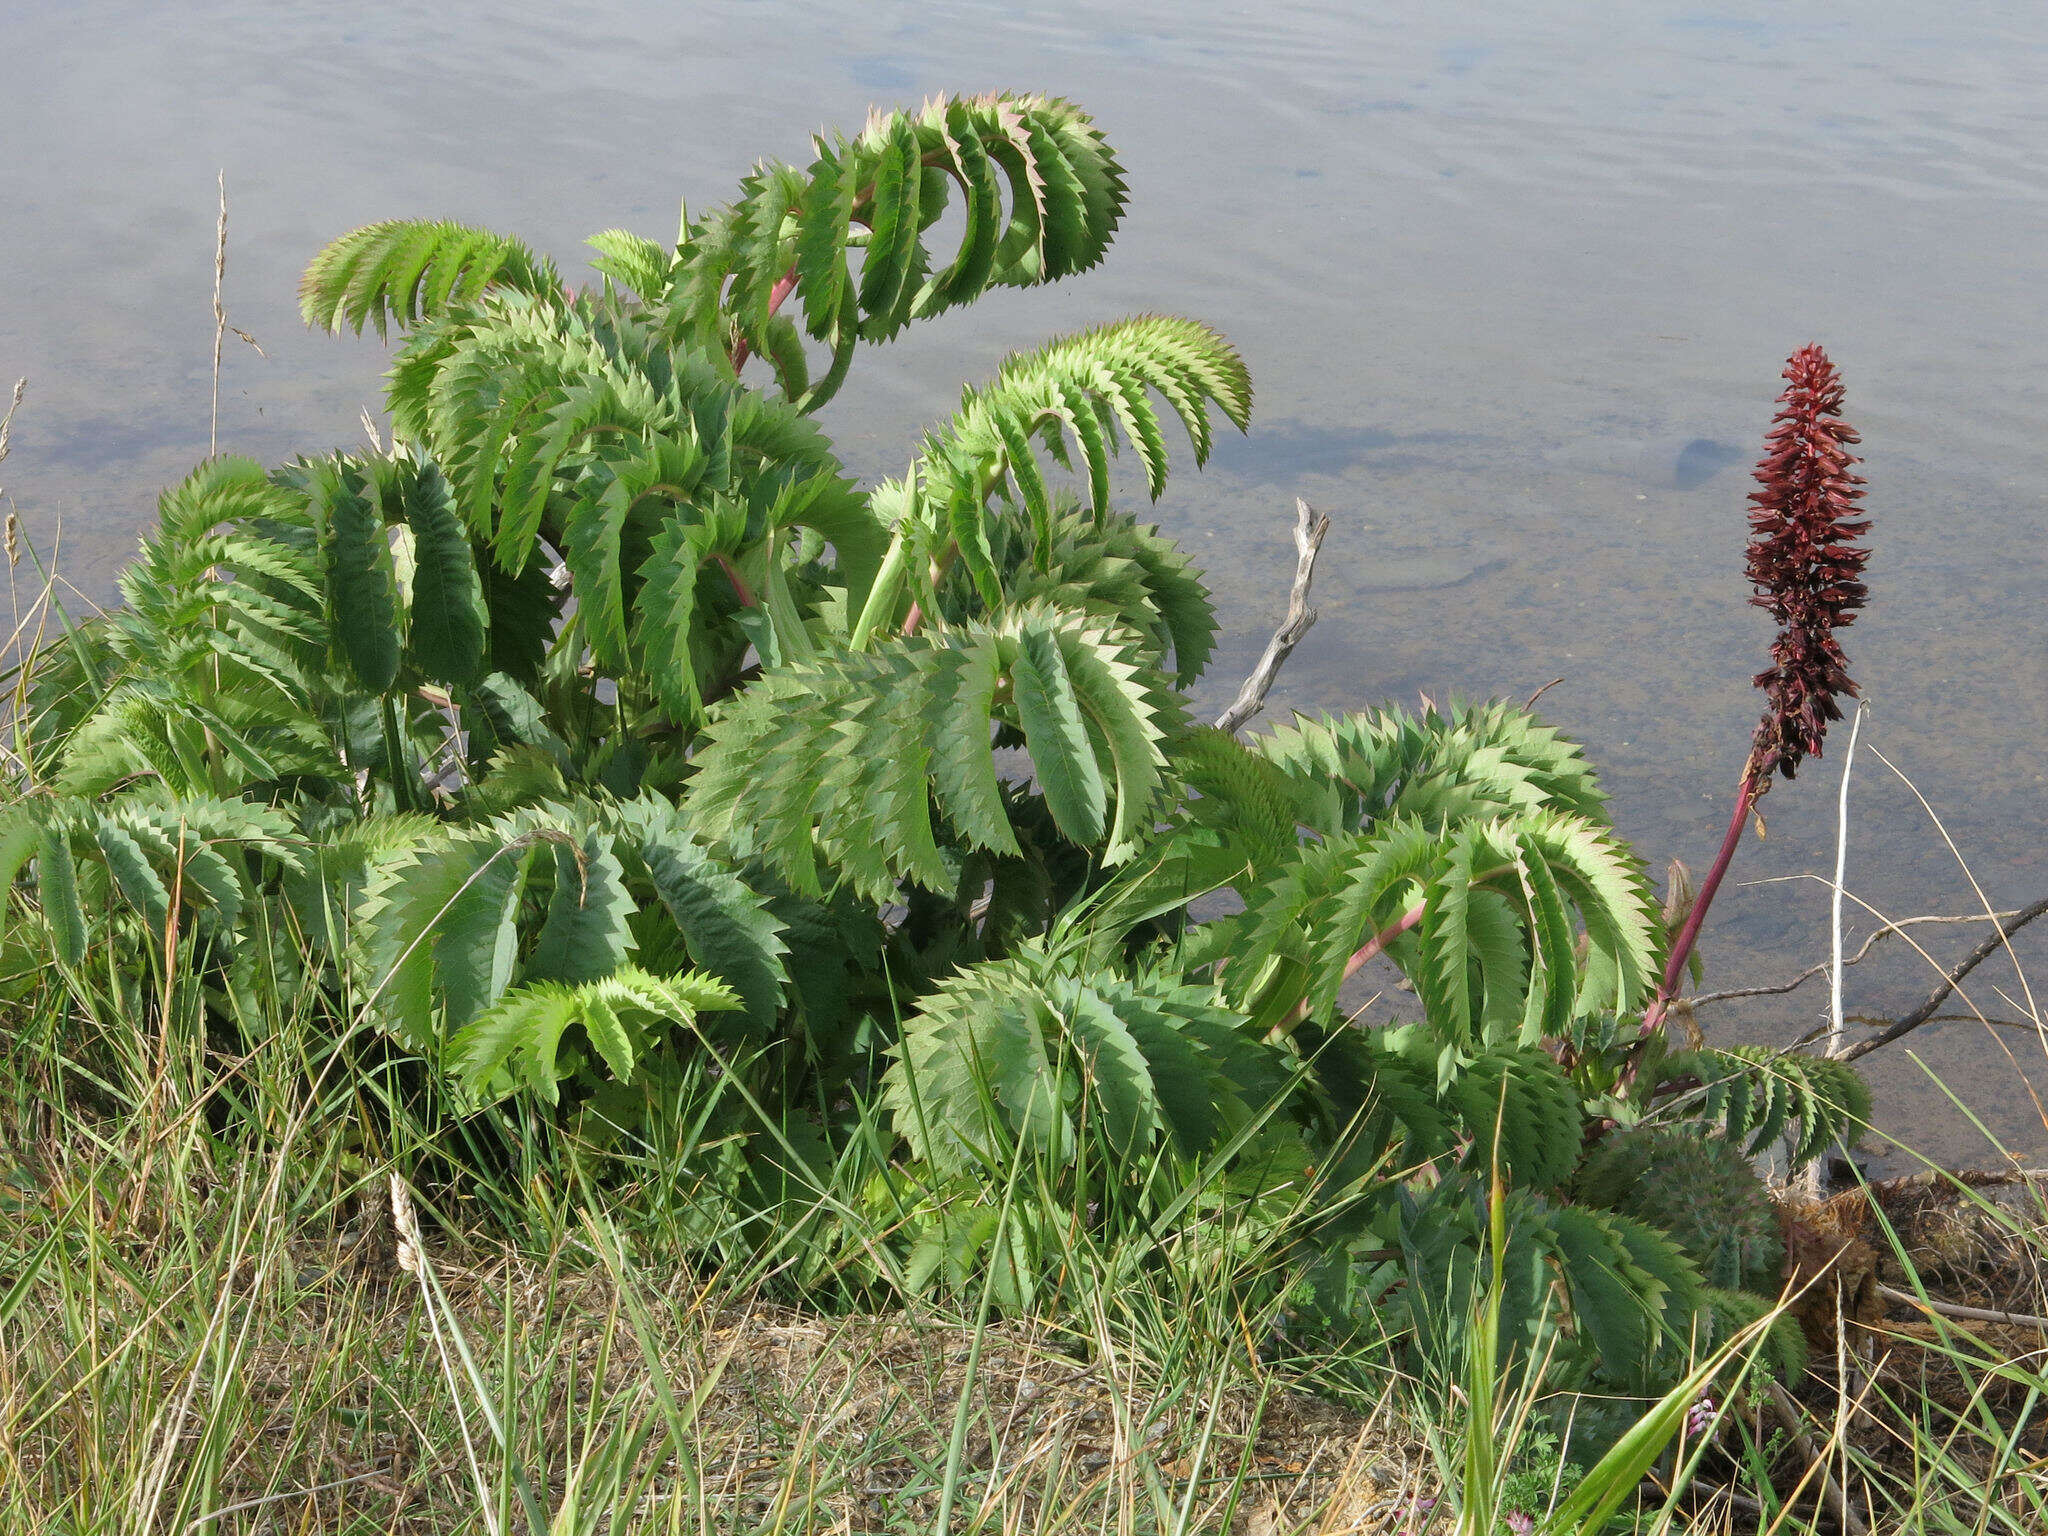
{"x": 1962, "y": 1313}
{"x": 1838, "y": 1501}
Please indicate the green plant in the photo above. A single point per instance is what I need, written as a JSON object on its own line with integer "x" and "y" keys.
{"x": 1698, "y": 1189}
{"x": 605, "y": 764}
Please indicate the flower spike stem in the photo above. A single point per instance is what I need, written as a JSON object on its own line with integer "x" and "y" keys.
{"x": 1689, "y": 933}
{"x": 1806, "y": 563}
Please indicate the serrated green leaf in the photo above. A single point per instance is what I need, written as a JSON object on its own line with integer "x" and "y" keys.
{"x": 361, "y": 593}
{"x": 448, "y": 617}
{"x": 57, "y": 886}
{"x": 1057, "y": 738}
{"x": 585, "y": 936}
{"x": 726, "y": 928}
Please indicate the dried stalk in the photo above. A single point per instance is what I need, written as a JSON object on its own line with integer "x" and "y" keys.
{"x": 12, "y": 528}
{"x": 7, "y": 421}
{"x": 1309, "y": 528}
{"x": 220, "y": 314}
{"x": 1834, "y": 1045}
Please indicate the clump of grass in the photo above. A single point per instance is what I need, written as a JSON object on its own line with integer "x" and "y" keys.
{"x": 205, "y": 1326}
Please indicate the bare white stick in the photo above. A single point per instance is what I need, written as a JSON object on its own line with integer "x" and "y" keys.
{"x": 220, "y": 315}
{"x": 1309, "y": 528}
{"x": 1834, "y": 1044}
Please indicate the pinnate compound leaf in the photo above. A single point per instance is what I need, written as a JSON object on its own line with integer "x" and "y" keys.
{"x": 517, "y": 1042}
{"x": 403, "y": 271}
{"x": 1025, "y": 1053}
{"x": 839, "y": 759}
{"x": 409, "y": 893}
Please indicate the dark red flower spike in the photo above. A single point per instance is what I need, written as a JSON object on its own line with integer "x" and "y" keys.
{"x": 1807, "y": 567}
{"x": 1805, "y": 563}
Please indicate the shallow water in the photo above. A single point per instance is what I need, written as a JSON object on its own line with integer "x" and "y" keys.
{"x": 1515, "y": 282}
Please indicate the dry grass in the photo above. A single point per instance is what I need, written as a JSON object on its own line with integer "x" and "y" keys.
{"x": 228, "y": 1370}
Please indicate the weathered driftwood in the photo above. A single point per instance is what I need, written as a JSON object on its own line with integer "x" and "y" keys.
{"x": 1309, "y": 528}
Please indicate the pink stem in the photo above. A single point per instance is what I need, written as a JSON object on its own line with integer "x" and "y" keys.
{"x": 1688, "y": 934}
{"x": 783, "y": 286}
{"x": 739, "y": 583}
{"x": 1383, "y": 938}
{"x": 914, "y": 620}
{"x": 1366, "y": 951}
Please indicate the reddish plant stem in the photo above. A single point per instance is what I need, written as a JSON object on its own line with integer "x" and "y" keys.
{"x": 739, "y": 583}
{"x": 862, "y": 203}
{"x": 1377, "y": 944}
{"x": 1383, "y": 938}
{"x": 1689, "y": 932}
{"x": 784, "y": 286}
{"x": 914, "y": 620}
{"x": 1371, "y": 947}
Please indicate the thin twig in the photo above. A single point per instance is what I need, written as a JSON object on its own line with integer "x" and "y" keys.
{"x": 220, "y": 314}
{"x": 1878, "y": 1021}
{"x": 1309, "y": 528}
{"x": 1700, "y": 1000}
{"x": 2000, "y": 938}
{"x": 1956, "y": 1309}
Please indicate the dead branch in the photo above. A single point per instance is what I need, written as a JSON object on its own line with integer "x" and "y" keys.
{"x": 1702, "y": 999}
{"x": 1838, "y": 1501}
{"x": 1310, "y": 526}
{"x": 1957, "y": 1310}
{"x": 2001, "y": 933}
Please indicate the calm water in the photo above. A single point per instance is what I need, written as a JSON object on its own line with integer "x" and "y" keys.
{"x": 1515, "y": 283}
